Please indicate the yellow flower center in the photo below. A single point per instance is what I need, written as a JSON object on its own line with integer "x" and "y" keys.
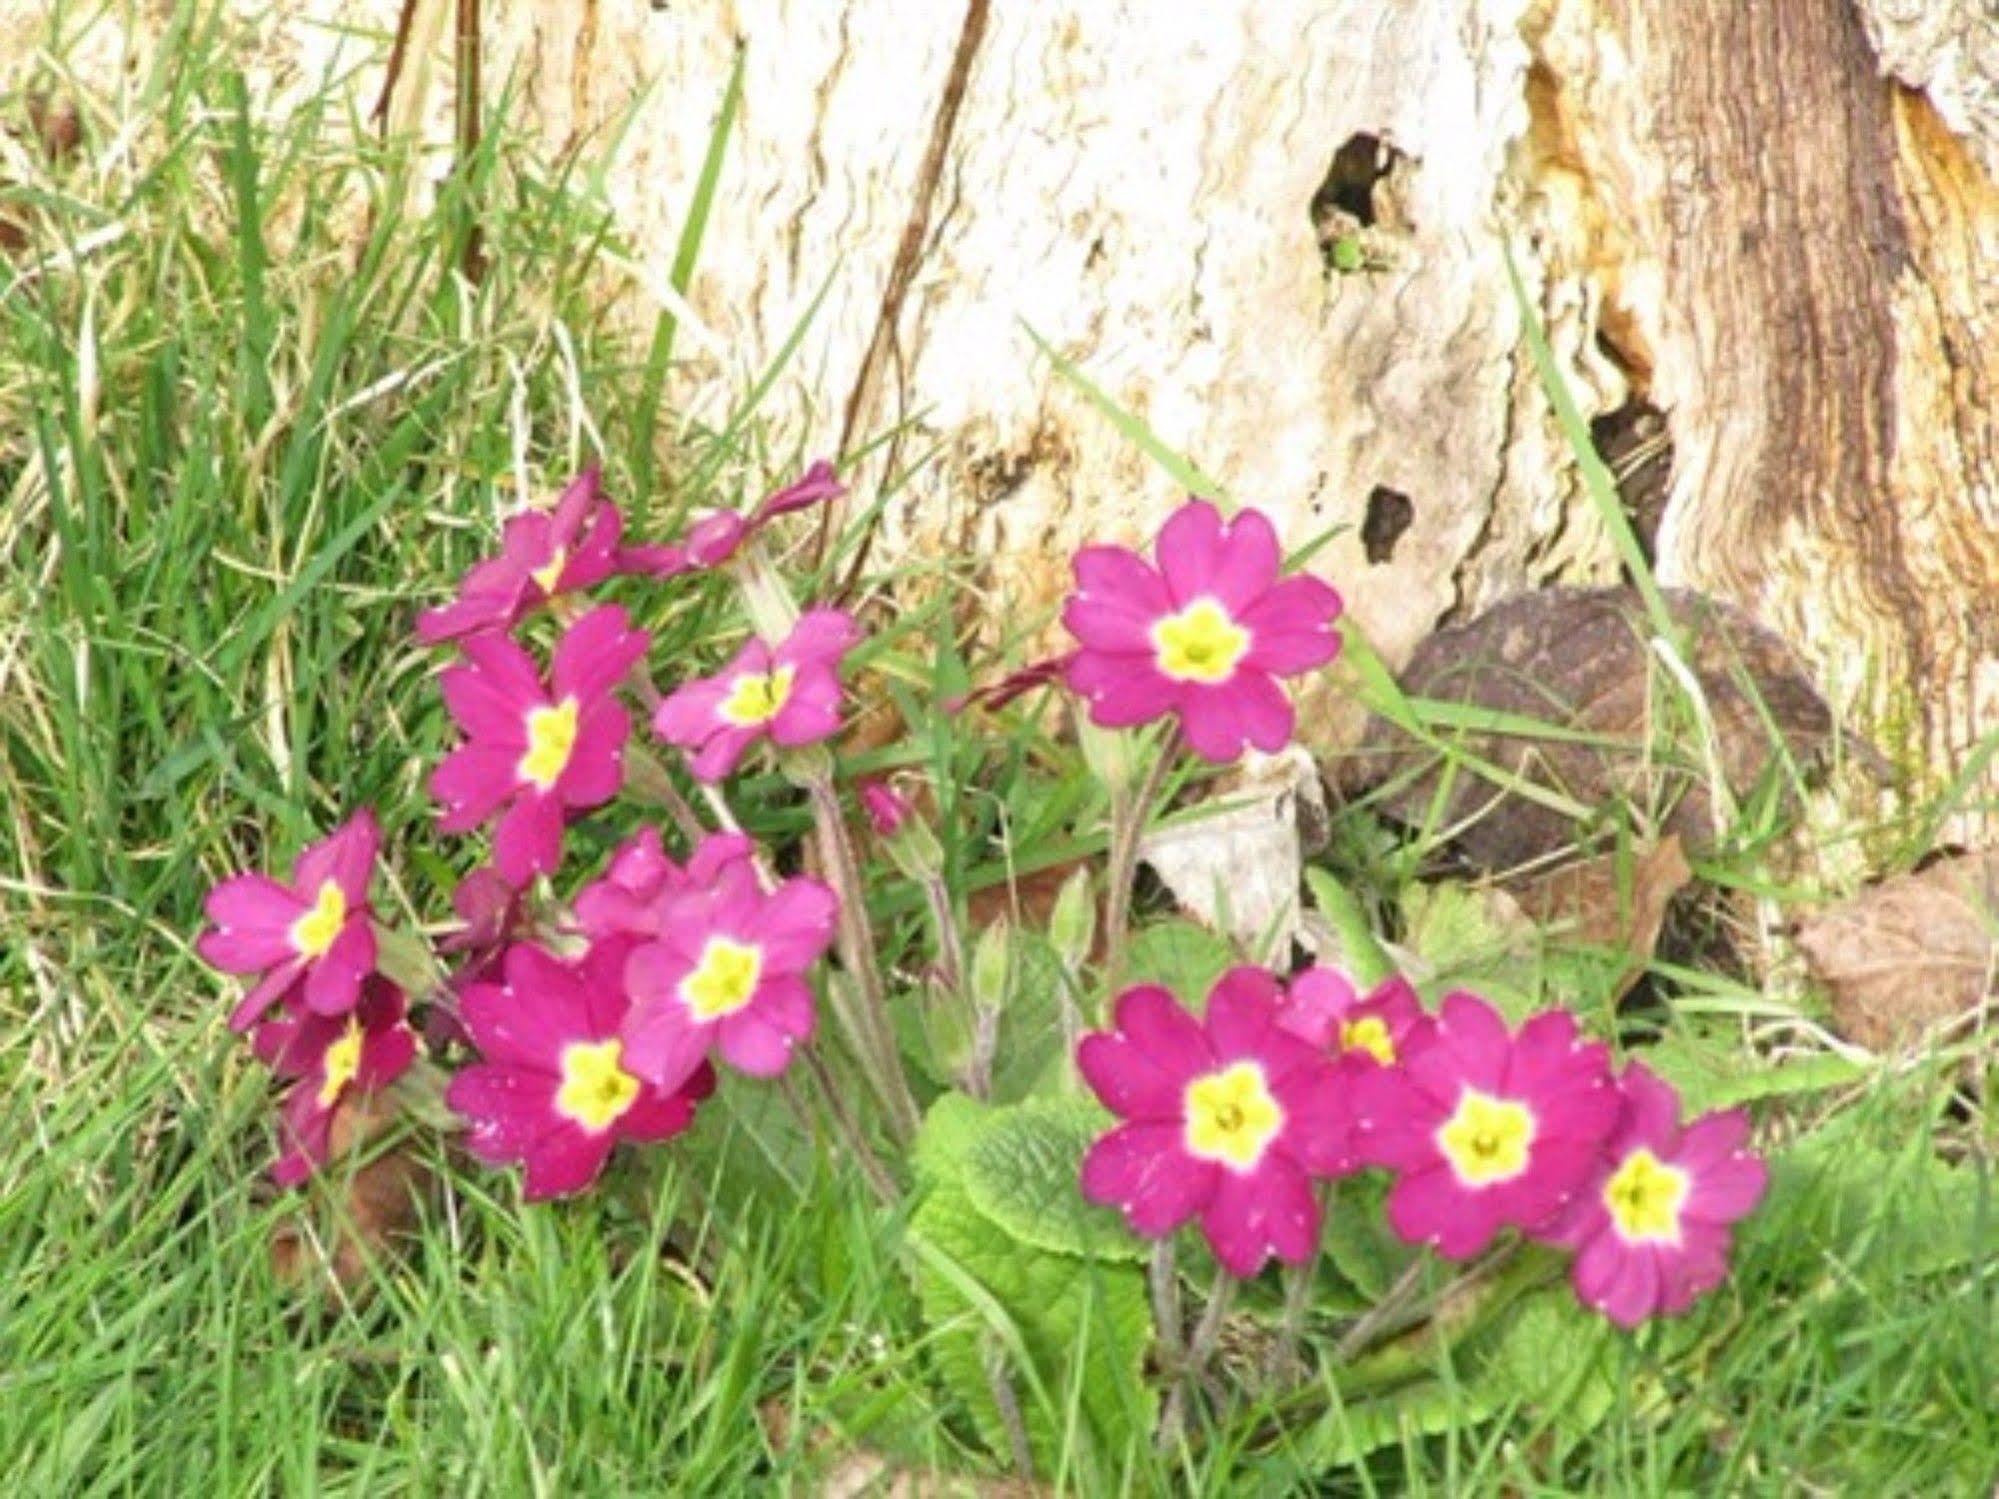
{"x": 1369, "y": 1034}
{"x": 595, "y": 1089}
{"x": 1644, "y": 1196}
{"x": 551, "y": 737}
{"x": 1200, "y": 643}
{"x": 1486, "y": 1141}
{"x": 340, "y": 1064}
{"x": 1231, "y": 1116}
{"x": 313, "y": 933}
{"x": 545, "y": 577}
{"x": 756, "y": 698}
{"x": 723, "y": 981}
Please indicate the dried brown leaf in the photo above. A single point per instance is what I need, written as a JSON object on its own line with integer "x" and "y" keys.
{"x": 1909, "y": 954}
{"x": 1612, "y": 902}
{"x": 1578, "y": 659}
{"x": 355, "y": 1216}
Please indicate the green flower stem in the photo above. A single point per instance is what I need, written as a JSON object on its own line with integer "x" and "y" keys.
{"x": 950, "y": 937}
{"x": 876, "y": 1036}
{"x": 648, "y": 780}
{"x": 1129, "y": 813}
{"x": 1164, "y": 1277}
{"x": 1206, "y": 1334}
{"x": 1297, "y": 1297}
{"x": 844, "y": 1124}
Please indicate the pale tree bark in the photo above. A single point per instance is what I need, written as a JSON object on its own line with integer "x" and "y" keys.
{"x": 1764, "y": 239}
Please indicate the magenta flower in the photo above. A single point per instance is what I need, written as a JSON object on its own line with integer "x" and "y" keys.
{"x": 1228, "y": 1118}
{"x": 633, "y": 894}
{"x": 728, "y": 970}
{"x": 719, "y": 535}
{"x": 996, "y": 695}
{"x": 1651, "y": 1231}
{"x": 1486, "y": 1128}
{"x": 328, "y": 1057}
{"x": 1206, "y": 634}
{"x": 554, "y": 1091}
{"x": 571, "y": 546}
{"x": 1323, "y": 1008}
{"x": 313, "y": 932}
{"x": 536, "y": 751}
{"x": 887, "y": 808}
{"x": 789, "y": 694}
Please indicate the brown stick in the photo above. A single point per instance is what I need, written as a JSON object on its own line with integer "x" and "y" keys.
{"x": 472, "y": 259}
{"x": 392, "y": 75}
{"x": 902, "y": 270}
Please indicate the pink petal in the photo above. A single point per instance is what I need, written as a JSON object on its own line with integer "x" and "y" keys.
{"x": 1246, "y": 567}
{"x": 596, "y": 769}
{"x": 470, "y": 783}
{"x": 1188, "y": 549}
{"x": 333, "y": 983}
{"x": 1318, "y": 1119}
{"x": 385, "y": 1056}
{"x": 1144, "y": 1171}
{"x": 794, "y": 924}
{"x": 751, "y": 1042}
{"x": 487, "y": 713}
{"x": 816, "y": 485}
{"x": 1633, "y": 1291}
{"x": 596, "y": 556}
{"x": 721, "y": 753}
{"x": 1315, "y": 1003}
{"x": 1118, "y": 599}
{"x": 664, "y": 1044}
{"x": 713, "y": 539}
{"x": 1122, "y": 691}
{"x": 1142, "y": 1069}
{"x": 579, "y": 498}
{"x": 1429, "y": 1207}
{"x": 693, "y": 712}
{"x": 596, "y": 653}
{"x": 820, "y": 638}
{"x": 1651, "y": 1107}
{"x": 811, "y": 712}
{"x": 274, "y": 986}
{"x": 656, "y": 1116}
{"x": 528, "y": 840}
{"x": 512, "y": 670}
{"x": 1727, "y": 1190}
{"x": 1713, "y": 1138}
{"x": 1291, "y": 627}
{"x": 345, "y": 856}
{"x": 1248, "y": 711}
{"x": 509, "y": 1109}
{"x": 1242, "y": 1009}
{"x": 564, "y": 1162}
{"x": 1253, "y": 1214}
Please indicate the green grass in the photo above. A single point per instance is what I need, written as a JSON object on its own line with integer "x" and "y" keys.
{"x": 250, "y": 419}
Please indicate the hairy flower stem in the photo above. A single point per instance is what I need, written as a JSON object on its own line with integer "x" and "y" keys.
{"x": 406, "y": 960}
{"x": 1297, "y": 1297}
{"x": 647, "y": 780}
{"x": 876, "y": 1036}
{"x": 1165, "y": 1279}
{"x": 950, "y": 938}
{"x": 1206, "y": 1334}
{"x": 1382, "y": 1313}
{"x": 1129, "y": 811}
{"x": 845, "y": 1125}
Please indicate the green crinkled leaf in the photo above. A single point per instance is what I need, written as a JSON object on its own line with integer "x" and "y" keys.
{"x": 1556, "y": 1358}
{"x": 1021, "y": 1172}
{"x": 1359, "y": 1241}
{"x": 1465, "y": 936}
{"x": 1348, "y": 1433}
{"x": 949, "y": 1128}
{"x": 1030, "y": 1030}
{"x": 1711, "y": 1075}
{"x": 1186, "y": 958}
{"x": 1845, "y": 1191}
{"x": 1068, "y": 1333}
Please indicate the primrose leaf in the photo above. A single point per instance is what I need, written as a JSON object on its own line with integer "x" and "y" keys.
{"x": 1184, "y": 957}
{"x": 1021, "y": 1172}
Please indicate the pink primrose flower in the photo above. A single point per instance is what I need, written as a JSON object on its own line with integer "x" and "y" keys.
{"x": 636, "y": 890}
{"x": 1228, "y": 1119}
{"x": 536, "y": 751}
{"x": 1486, "y": 1128}
{"x": 789, "y": 694}
{"x": 554, "y": 1091}
{"x": 328, "y": 1057}
{"x": 717, "y": 536}
{"x": 727, "y": 971}
{"x": 1205, "y": 634}
{"x": 1651, "y": 1230}
{"x": 1323, "y": 1008}
{"x": 313, "y": 933}
{"x": 543, "y": 553}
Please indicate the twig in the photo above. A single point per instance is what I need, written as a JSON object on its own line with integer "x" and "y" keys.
{"x": 902, "y": 270}
{"x": 392, "y": 74}
{"x": 471, "y": 259}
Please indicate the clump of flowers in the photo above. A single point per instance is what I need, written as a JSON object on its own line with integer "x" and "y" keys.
{"x": 561, "y": 1018}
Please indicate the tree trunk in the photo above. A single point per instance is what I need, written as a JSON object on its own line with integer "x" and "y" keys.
{"x": 1764, "y": 238}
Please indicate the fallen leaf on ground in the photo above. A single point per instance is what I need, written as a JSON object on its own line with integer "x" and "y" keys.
{"x": 1615, "y": 902}
{"x": 1236, "y": 861}
{"x": 1909, "y": 954}
{"x": 1580, "y": 660}
{"x": 357, "y": 1215}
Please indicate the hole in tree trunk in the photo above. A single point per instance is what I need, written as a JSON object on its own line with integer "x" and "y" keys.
{"x": 1636, "y": 444}
{"x": 1358, "y": 166}
{"x": 1389, "y": 512}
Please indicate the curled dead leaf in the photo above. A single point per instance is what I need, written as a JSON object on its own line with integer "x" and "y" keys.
{"x": 1911, "y": 954}
{"x": 1615, "y": 902}
{"x": 1581, "y": 660}
{"x": 348, "y": 1219}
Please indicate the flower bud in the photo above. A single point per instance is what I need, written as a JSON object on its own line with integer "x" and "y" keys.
{"x": 992, "y": 967}
{"x": 1072, "y": 925}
